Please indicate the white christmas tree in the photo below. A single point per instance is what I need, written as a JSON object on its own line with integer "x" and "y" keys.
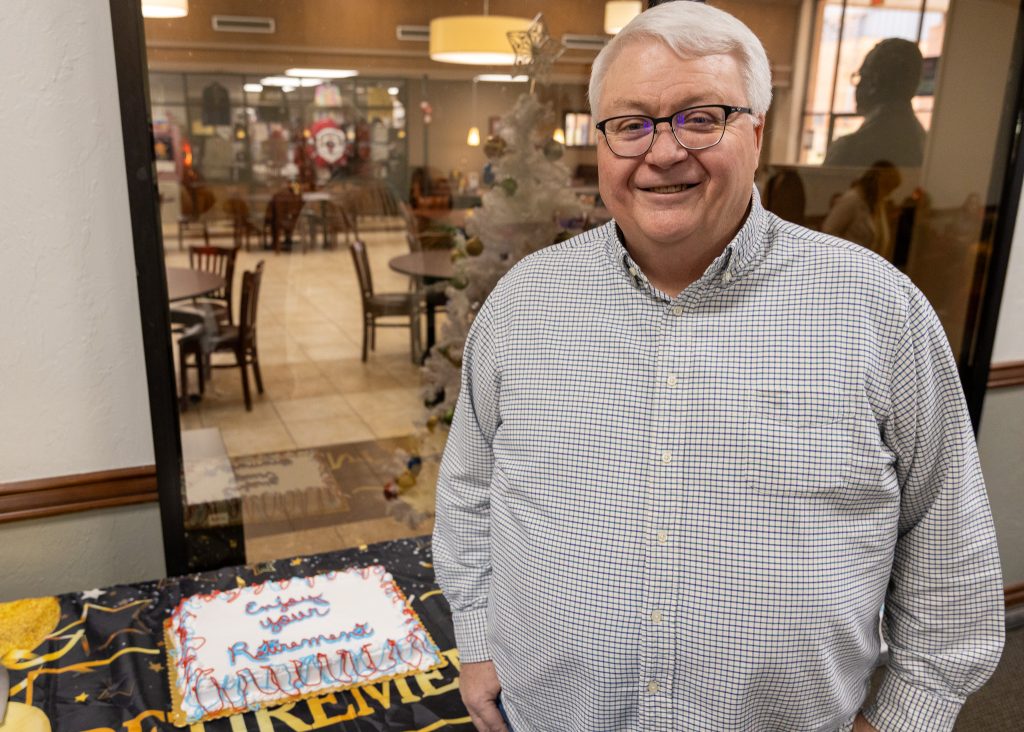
{"x": 518, "y": 216}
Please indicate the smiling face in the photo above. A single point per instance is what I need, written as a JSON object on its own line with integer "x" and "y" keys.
{"x": 674, "y": 198}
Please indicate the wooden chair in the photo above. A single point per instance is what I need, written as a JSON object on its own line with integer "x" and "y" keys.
{"x": 282, "y": 217}
{"x": 219, "y": 260}
{"x": 384, "y": 305}
{"x": 237, "y": 339}
{"x": 242, "y": 223}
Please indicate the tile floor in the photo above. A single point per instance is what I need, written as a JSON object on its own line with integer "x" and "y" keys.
{"x": 309, "y": 334}
{"x": 317, "y": 389}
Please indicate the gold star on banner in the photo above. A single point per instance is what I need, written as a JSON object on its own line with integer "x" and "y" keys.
{"x": 81, "y": 698}
{"x": 156, "y": 666}
{"x": 296, "y": 562}
{"x": 239, "y": 581}
{"x": 536, "y": 51}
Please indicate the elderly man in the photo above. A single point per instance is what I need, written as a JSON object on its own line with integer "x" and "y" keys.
{"x": 696, "y": 449}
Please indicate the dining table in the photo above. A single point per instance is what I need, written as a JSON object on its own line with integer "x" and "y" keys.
{"x": 429, "y": 266}
{"x": 185, "y": 283}
{"x": 98, "y": 660}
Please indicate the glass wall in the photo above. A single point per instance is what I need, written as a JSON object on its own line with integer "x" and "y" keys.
{"x": 889, "y": 128}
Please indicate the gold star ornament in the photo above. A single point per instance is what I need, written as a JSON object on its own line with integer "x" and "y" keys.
{"x": 81, "y": 698}
{"x": 536, "y": 51}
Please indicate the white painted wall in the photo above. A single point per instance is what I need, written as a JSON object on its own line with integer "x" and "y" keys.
{"x": 72, "y": 372}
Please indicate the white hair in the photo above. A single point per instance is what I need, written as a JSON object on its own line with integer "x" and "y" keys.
{"x": 692, "y": 30}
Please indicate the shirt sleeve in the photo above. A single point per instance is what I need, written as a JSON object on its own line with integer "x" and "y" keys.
{"x": 462, "y": 526}
{"x": 944, "y": 618}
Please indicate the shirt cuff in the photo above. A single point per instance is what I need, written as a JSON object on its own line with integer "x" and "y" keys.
{"x": 471, "y": 635}
{"x": 901, "y": 706}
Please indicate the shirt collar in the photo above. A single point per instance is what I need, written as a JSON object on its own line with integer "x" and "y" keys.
{"x": 738, "y": 257}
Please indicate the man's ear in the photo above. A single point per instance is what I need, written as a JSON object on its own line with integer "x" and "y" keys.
{"x": 759, "y": 133}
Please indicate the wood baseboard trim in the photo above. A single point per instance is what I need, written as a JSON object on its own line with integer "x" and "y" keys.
{"x": 1008, "y": 373}
{"x": 72, "y": 493}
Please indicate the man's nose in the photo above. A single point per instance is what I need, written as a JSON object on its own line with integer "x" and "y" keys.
{"x": 665, "y": 150}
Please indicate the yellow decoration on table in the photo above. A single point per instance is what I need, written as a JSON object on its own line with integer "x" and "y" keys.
{"x": 24, "y": 718}
{"x": 82, "y": 698}
{"x": 24, "y": 624}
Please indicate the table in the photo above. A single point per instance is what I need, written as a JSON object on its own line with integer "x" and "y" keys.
{"x": 102, "y": 667}
{"x": 322, "y": 198}
{"x": 184, "y": 283}
{"x": 430, "y": 266}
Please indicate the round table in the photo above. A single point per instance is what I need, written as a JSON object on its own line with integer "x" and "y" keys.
{"x": 433, "y": 264}
{"x": 184, "y": 283}
{"x": 428, "y": 265}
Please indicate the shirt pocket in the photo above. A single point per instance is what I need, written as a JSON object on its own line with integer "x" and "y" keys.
{"x": 798, "y": 442}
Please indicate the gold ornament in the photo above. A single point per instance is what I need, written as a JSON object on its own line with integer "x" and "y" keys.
{"x": 553, "y": 150}
{"x": 495, "y": 147}
{"x": 474, "y": 246}
{"x": 432, "y": 422}
{"x": 510, "y": 186}
{"x": 459, "y": 282}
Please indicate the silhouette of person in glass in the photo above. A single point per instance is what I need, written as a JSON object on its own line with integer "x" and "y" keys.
{"x": 889, "y": 76}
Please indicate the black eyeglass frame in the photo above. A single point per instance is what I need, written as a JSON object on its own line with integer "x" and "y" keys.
{"x": 729, "y": 110}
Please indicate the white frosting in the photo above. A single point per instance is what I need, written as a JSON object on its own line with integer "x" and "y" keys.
{"x": 275, "y": 641}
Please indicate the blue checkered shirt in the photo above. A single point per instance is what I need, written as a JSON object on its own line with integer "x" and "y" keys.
{"x": 684, "y": 513}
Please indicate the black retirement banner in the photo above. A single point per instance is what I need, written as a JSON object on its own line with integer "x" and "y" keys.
{"x": 95, "y": 661}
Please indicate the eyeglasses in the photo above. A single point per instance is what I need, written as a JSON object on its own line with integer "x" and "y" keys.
{"x": 695, "y": 128}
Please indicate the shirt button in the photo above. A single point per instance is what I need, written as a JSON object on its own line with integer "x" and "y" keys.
{"x": 677, "y": 310}
{"x": 672, "y": 380}
{"x": 727, "y": 276}
{"x": 656, "y": 617}
{"x": 652, "y": 686}
{"x": 662, "y": 537}
{"x": 666, "y": 457}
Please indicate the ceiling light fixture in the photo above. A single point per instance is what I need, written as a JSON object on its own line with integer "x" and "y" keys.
{"x": 617, "y": 13}
{"x": 323, "y": 73}
{"x": 164, "y": 8}
{"x": 480, "y": 40}
{"x": 508, "y": 78}
{"x": 289, "y": 81}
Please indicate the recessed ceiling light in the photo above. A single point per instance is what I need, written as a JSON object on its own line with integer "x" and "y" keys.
{"x": 323, "y": 73}
{"x": 253, "y": 88}
{"x": 291, "y": 81}
{"x": 501, "y": 77}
